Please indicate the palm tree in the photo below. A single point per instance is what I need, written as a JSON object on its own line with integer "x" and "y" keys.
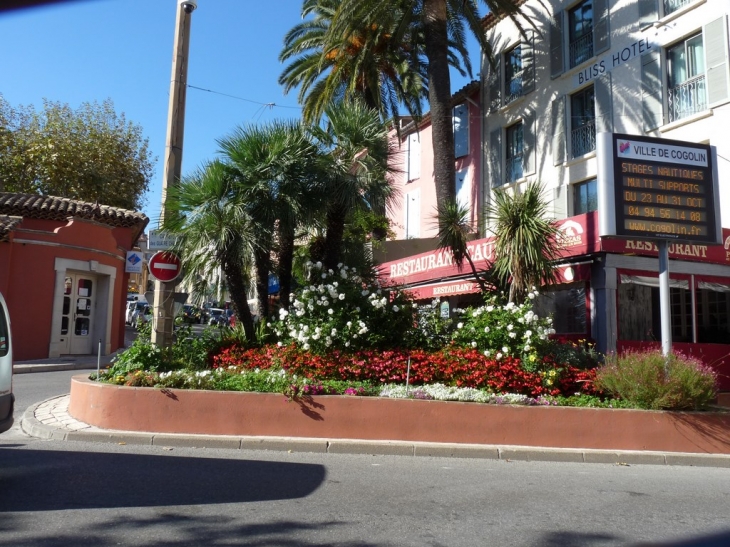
{"x": 442, "y": 24}
{"x": 275, "y": 169}
{"x": 354, "y": 168}
{"x": 377, "y": 63}
{"x": 526, "y": 241}
{"x": 215, "y": 229}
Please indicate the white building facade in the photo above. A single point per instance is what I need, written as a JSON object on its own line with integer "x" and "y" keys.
{"x": 655, "y": 68}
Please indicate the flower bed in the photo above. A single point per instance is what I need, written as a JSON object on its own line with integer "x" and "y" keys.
{"x": 375, "y": 418}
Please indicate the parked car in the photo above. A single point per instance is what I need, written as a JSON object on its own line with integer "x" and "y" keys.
{"x": 142, "y": 315}
{"x": 217, "y": 317}
{"x": 7, "y": 399}
{"x": 191, "y": 314}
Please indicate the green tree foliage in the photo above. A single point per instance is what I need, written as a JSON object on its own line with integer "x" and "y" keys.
{"x": 378, "y": 62}
{"x": 90, "y": 154}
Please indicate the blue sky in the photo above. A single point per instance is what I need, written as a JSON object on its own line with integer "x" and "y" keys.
{"x": 91, "y": 50}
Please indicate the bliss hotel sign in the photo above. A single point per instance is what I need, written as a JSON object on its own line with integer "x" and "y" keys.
{"x": 657, "y": 189}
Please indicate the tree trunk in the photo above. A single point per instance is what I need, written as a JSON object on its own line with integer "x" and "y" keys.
{"x": 439, "y": 97}
{"x": 333, "y": 237}
{"x": 237, "y": 287}
{"x": 262, "y": 262}
{"x": 286, "y": 259}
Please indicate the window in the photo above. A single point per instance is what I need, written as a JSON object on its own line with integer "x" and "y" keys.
{"x": 585, "y": 197}
{"x": 460, "y": 122}
{"x": 580, "y": 33}
{"x": 513, "y": 74}
{"x": 583, "y": 122}
{"x": 414, "y": 156}
{"x": 713, "y": 313}
{"x": 515, "y": 149}
{"x": 687, "y": 93}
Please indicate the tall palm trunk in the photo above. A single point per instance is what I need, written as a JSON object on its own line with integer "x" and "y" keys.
{"x": 286, "y": 259}
{"x": 439, "y": 96}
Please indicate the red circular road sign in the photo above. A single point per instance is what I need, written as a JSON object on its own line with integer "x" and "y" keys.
{"x": 165, "y": 266}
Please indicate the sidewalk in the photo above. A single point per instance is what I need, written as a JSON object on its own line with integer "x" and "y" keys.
{"x": 51, "y": 420}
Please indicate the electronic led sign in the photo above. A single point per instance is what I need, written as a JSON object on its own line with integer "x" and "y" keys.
{"x": 657, "y": 189}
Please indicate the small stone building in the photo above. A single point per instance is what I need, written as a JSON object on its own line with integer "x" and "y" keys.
{"x": 62, "y": 273}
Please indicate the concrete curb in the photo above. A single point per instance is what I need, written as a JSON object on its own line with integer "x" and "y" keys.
{"x": 41, "y": 367}
{"x": 33, "y": 427}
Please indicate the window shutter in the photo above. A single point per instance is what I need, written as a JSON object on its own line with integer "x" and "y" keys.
{"x": 413, "y": 214}
{"x": 560, "y": 202}
{"x": 495, "y": 157}
{"x": 462, "y": 188}
{"x": 601, "y": 30}
{"x": 528, "y": 134}
{"x": 604, "y": 103}
{"x": 558, "y": 120}
{"x": 495, "y": 83}
{"x": 460, "y": 123}
{"x": 414, "y": 156}
{"x": 556, "y": 45}
{"x": 528, "y": 62}
{"x": 716, "y": 59}
{"x": 651, "y": 90}
{"x": 648, "y": 12}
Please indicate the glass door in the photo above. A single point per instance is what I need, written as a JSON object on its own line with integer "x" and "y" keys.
{"x": 77, "y": 314}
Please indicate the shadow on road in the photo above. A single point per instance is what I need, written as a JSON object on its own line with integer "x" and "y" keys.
{"x": 46, "y": 480}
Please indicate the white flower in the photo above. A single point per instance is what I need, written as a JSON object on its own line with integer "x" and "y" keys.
{"x": 510, "y": 327}
{"x": 339, "y": 265}
{"x": 318, "y": 264}
{"x": 305, "y": 328}
{"x": 395, "y": 308}
{"x": 490, "y": 308}
{"x": 283, "y": 313}
{"x": 365, "y": 292}
{"x": 334, "y": 332}
{"x": 486, "y": 329}
{"x": 341, "y": 296}
{"x": 473, "y": 344}
{"x": 527, "y": 347}
{"x": 487, "y": 353}
{"x": 306, "y": 347}
{"x": 498, "y": 356}
{"x": 347, "y": 344}
{"x": 349, "y": 323}
{"x": 528, "y": 333}
{"x": 505, "y": 349}
{"x": 330, "y": 311}
{"x": 279, "y": 344}
{"x": 531, "y": 295}
{"x": 512, "y": 334}
{"x": 460, "y": 325}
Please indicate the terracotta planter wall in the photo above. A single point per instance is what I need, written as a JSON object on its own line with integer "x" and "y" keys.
{"x": 342, "y": 417}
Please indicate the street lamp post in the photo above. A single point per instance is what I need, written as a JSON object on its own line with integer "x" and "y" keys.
{"x": 163, "y": 322}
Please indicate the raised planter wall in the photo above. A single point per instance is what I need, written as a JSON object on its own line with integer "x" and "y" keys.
{"x": 372, "y": 418}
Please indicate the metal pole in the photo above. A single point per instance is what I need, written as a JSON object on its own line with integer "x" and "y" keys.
{"x": 98, "y": 361}
{"x": 664, "y": 300}
{"x": 163, "y": 310}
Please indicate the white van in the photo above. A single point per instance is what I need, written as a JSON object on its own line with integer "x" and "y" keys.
{"x": 7, "y": 399}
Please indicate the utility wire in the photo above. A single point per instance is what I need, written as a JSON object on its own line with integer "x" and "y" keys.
{"x": 270, "y": 105}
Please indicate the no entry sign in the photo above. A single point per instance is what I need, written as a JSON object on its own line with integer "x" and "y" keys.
{"x": 165, "y": 266}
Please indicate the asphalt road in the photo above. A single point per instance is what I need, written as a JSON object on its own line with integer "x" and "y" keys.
{"x": 55, "y": 493}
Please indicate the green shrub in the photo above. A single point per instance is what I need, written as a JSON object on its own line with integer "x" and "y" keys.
{"x": 640, "y": 379}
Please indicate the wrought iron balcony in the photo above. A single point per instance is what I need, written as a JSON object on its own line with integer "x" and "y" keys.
{"x": 514, "y": 169}
{"x": 513, "y": 88}
{"x": 689, "y": 97}
{"x": 583, "y": 139}
{"x": 673, "y": 5}
{"x": 581, "y": 49}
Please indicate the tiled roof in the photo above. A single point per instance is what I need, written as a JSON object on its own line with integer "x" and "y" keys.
{"x": 55, "y": 208}
{"x": 456, "y": 98}
{"x": 7, "y": 223}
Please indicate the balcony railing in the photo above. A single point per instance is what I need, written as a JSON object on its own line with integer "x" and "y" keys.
{"x": 514, "y": 168}
{"x": 581, "y": 49}
{"x": 673, "y": 5}
{"x": 687, "y": 98}
{"x": 513, "y": 88}
{"x": 583, "y": 139}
